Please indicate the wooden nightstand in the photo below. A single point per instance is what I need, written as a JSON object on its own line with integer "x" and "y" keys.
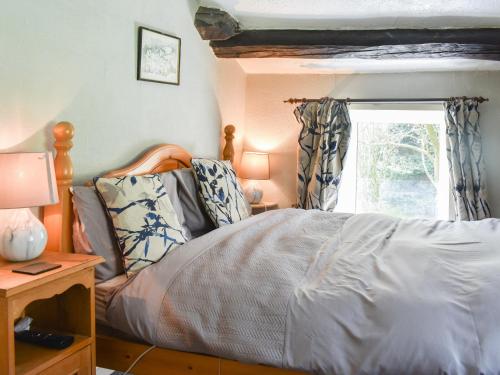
{"x": 258, "y": 208}
{"x": 61, "y": 300}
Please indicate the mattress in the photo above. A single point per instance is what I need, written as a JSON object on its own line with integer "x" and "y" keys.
{"x": 103, "y": 291}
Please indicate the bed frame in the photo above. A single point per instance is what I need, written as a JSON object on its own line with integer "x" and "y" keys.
{"x": 118, "y": 353}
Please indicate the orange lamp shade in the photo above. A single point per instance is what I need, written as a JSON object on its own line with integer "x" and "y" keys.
{"x": 28, "y": 180}
{"x": 254, "y": 166}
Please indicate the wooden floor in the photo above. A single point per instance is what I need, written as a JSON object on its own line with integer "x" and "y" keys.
{"x": 120, "y": 354}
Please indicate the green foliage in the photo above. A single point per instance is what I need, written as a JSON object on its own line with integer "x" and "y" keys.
{"x": 399, "y": 158}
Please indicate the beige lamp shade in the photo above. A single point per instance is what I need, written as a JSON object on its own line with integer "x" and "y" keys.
{"x": 254, "y": 166}
{"x": 27, "y": 180}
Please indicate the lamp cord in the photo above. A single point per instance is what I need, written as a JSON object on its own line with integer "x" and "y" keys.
{"x": 127, "y": 372}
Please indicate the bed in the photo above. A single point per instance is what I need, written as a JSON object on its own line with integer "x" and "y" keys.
{"x": 115, "y": 349}
{"x": 301, "y": 290}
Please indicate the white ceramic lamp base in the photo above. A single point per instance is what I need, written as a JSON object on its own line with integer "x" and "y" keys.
{"x": 22, "y": 235}
{"x": 252, "y": 193}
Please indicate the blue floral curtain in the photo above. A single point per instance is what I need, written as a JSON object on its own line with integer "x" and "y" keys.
{"x": 323, "y": 142}
{"x": 465, "y": 157}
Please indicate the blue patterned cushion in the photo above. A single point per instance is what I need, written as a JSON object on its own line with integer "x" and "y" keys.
{"x": 220, "y": 191}
{"x": 144, "y": 221}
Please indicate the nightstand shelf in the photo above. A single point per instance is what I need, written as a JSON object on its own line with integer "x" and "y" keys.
{"x": 32, "y": 359}
{"x": 60, "y": 301}
{"x": 258, "y": 208}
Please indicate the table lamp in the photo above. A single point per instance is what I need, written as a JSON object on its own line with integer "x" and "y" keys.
{"x": 27, "y": 180}
{"x": 254, "y": 166}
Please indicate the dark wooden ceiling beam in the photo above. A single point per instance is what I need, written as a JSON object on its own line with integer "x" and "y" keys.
{"x": 363, "y": 37}
{"x": 228, "y": 41}
{"x": 215, "y": 24}
{"x": 394, "y": 43}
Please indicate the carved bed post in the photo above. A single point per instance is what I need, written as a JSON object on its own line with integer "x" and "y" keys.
{"x": 58, "y": 217}
{"x": 228, "y": 152}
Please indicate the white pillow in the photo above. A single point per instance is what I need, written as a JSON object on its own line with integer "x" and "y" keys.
{"x": 144, "y": 221}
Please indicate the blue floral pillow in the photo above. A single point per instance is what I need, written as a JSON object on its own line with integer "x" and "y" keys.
{"x": 220, "y": 191}
{"x": 144, "y": 221}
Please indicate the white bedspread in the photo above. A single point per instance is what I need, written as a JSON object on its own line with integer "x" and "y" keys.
{"x": 328, "y": 293}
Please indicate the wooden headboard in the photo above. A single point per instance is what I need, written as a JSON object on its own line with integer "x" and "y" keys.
{"x": 58, "y": 218}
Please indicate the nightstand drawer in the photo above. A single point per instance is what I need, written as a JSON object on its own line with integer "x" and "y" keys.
{"x": 76, "y": 364}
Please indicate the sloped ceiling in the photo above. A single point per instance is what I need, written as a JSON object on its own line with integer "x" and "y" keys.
{"x": 356, "y": 15}
{"x": 360, "y": 66}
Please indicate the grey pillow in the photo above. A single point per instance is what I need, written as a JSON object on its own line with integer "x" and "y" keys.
{"x": 183, "y": 192}
{"x": 95, "y": 235}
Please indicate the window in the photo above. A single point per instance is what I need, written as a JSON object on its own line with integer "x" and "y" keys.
{"x": 396, "y": 164}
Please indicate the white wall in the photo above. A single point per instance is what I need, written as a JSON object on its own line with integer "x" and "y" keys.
{"x": 271, "y": 126}
{"x": 76, "y": 61}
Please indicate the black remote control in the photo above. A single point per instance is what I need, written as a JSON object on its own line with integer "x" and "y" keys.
{"x": 46, "y": 339}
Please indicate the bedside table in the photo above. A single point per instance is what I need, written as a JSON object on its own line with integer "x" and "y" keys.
{"x": 258, "y": 208}
{"x": 61, "y": 300}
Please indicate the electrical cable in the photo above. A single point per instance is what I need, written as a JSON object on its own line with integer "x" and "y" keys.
{"x": 127, "y": 372}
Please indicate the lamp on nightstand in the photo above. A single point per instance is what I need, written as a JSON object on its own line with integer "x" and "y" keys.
{"x": 27, "y": 180}
{"x": 254, "y": 166}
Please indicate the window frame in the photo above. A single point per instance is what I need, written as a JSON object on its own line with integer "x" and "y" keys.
{"x": 400, "y": 112}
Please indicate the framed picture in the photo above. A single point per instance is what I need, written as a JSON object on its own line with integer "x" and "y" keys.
{"x": 158, "y": 57}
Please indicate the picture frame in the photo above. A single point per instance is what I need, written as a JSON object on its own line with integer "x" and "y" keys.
{"x": 158, "y": 57}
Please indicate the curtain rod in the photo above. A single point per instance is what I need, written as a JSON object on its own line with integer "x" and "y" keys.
{"x": 480, "y": 99}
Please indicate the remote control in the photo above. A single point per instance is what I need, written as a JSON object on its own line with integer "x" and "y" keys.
{"x": 46, "y": 339}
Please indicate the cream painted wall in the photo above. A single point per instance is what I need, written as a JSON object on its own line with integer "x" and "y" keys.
{"x": 76, "y": 61}
{"x": 231, "y": 92}
{"x": 271, "y": 126}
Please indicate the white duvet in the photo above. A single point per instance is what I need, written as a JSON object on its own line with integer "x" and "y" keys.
{"x": 327, "y": 293}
